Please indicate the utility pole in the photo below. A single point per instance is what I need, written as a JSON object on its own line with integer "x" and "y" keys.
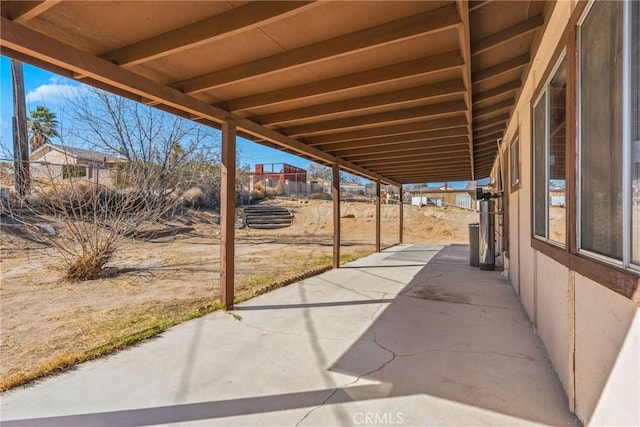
{"x": 20, "y": 143}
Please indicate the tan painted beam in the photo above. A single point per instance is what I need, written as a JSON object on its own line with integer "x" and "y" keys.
{"x": 436, "y": 177}
{"x": 464, "y": 39}
{"x": 409, "y": 69}
{"x": 401, "y": 215}
{"x": 23, "y": 11}
{"x": 55, "y": 55}
{"x": 496, "y": 92}
{"x": 515, "y": 31}
{"x": 501, "y": 68}
{"x": 500, "y": 127}
{"x": 492, "y": 109}
{"x": 378, "y": 215}
{"x": 227, "y": 214}
{"x": 401, "y": 148}
{"x": 420, "y": 24}
{"x": 490, "y": 122}
{"x": 382, "y": 131}
{"x": 475, "y": 5}
{"x": 418, "y": 161}
{"x": 432, "y": 91}
{"x": 335, "y": 193}
{"x": 488, "y": 138}
{"x": 397, "y": 116}
{"x": 452, "y": 146}
{"x": 392, "y": 142}
{"x": 240, "y": 19}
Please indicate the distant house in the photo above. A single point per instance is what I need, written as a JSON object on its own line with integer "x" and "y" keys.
{"x": 444, "y": 196}
{"x": 57, "y": 161}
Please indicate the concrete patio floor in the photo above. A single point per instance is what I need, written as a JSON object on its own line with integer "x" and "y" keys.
{"x": 410, "y": 336}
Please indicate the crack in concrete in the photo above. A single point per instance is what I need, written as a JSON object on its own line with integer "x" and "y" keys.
{"x": 381, "y": 303}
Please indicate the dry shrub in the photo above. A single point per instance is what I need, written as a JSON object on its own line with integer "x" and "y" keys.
{"x": 92, "y": 222}
{"x": 270, "y": 192}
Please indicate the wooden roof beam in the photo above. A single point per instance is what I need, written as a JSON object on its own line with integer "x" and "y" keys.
{"x": 430, "y": 167}
{"x": 226, "y": 24}
{"x": 502, "y": 68}
{"x": 498, "y": 39}
{"x": 464, "y": 40}
{"x": 45, "y": 50}
{"x": 474, "y": 5}
{"x": 492, "y": 109}
{"x": 393, "y": 141}
{"x": 381, "y": 164}
{"x": 418, "y": 67}
{"x": 398, "y": 148}
{"x": 23, "y": 11}
{"x": 500, "y": 127}
{"x": 490, "y": 122}
{"x": 417, "y": 113}
{"x": 399, "y": 129}
{"x": 416, "y": 25}
{"x": 498, "y": 91}
{"x": 454, "y": 145}
{"x": 432, "y": 91}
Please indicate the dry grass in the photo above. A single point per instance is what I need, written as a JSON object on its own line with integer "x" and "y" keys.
{"x": 117, "y": 329}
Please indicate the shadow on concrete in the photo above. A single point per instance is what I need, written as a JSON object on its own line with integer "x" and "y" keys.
{"x": 192, "y": 411}
{"x": 452, "y": 333}
{"x": 310, "y": 305}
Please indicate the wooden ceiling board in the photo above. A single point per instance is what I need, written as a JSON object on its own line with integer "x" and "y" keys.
{"x": 350, "y": 78}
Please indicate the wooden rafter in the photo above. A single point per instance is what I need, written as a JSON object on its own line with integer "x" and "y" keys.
{"x": 420, "y": 67}
{"x": 425, "y": 23}
{"x": 417, "y": 113}
{"x": 394, "y": 141}
{"x": 32, "y": 44}
{"x": 23, "y": 11}
{"x": 227, "y": 24}
{"x": 399, "y": 129}
{"x": 496, "y": 40}
{"x": 432, "y": 91}
{"x": 397, "y": 148}
{"x": 500, "y": 69}
{"x": 496, "y": 92}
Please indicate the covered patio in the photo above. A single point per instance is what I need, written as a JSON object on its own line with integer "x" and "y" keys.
{"x": 412, "y": 335}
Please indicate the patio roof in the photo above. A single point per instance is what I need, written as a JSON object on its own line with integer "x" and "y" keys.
{"x": 400, "y": 92}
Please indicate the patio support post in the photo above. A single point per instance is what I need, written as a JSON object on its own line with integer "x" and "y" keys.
{"x": 336, "y": 215}
{"x": 228, "y": 214}
{"x": 401, "y": 216}
{"x": 377, "y": 215}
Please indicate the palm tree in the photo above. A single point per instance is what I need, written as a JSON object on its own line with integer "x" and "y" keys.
{"x": 42, "y": 126}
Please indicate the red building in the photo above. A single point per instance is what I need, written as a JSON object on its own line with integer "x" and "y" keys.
{"x": 279, "y": 172}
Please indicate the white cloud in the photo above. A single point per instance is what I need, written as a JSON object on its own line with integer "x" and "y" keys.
{"x": 53, "y": 93}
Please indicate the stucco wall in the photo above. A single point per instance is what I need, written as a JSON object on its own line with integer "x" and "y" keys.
{"x": 591, "y": 334}
{"x": 607, "y": 357}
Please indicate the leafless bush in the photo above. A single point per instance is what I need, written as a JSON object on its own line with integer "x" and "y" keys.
{"x": 92, "y": 222}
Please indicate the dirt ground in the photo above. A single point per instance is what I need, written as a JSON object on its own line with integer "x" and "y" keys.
{"x": 44, "y": 318}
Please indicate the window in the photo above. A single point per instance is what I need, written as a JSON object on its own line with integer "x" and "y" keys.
{"x": 549, "y": 153}
{"x": 514, "y": 160}
{"x": 73, "y": 171}
{"x": 635, "y": 133}
{"x": 609, "y": 216}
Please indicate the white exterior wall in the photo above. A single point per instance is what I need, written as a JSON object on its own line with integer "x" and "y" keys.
{"x": 591, "y": 334}
{"x": 607, "y": 358}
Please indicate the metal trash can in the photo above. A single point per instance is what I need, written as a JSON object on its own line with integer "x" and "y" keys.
{"x": 487, "y": 238}
{"x": 474, "y": 248}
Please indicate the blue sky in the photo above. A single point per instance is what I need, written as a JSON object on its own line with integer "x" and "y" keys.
{"x": 45, "y": 88}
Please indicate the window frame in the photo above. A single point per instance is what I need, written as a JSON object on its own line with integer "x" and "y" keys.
{"x": 623, "y": 281}
{"x": 515, "y": 142}
{"x": 543, "y": 95}
{"x": 625, "y": 262}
